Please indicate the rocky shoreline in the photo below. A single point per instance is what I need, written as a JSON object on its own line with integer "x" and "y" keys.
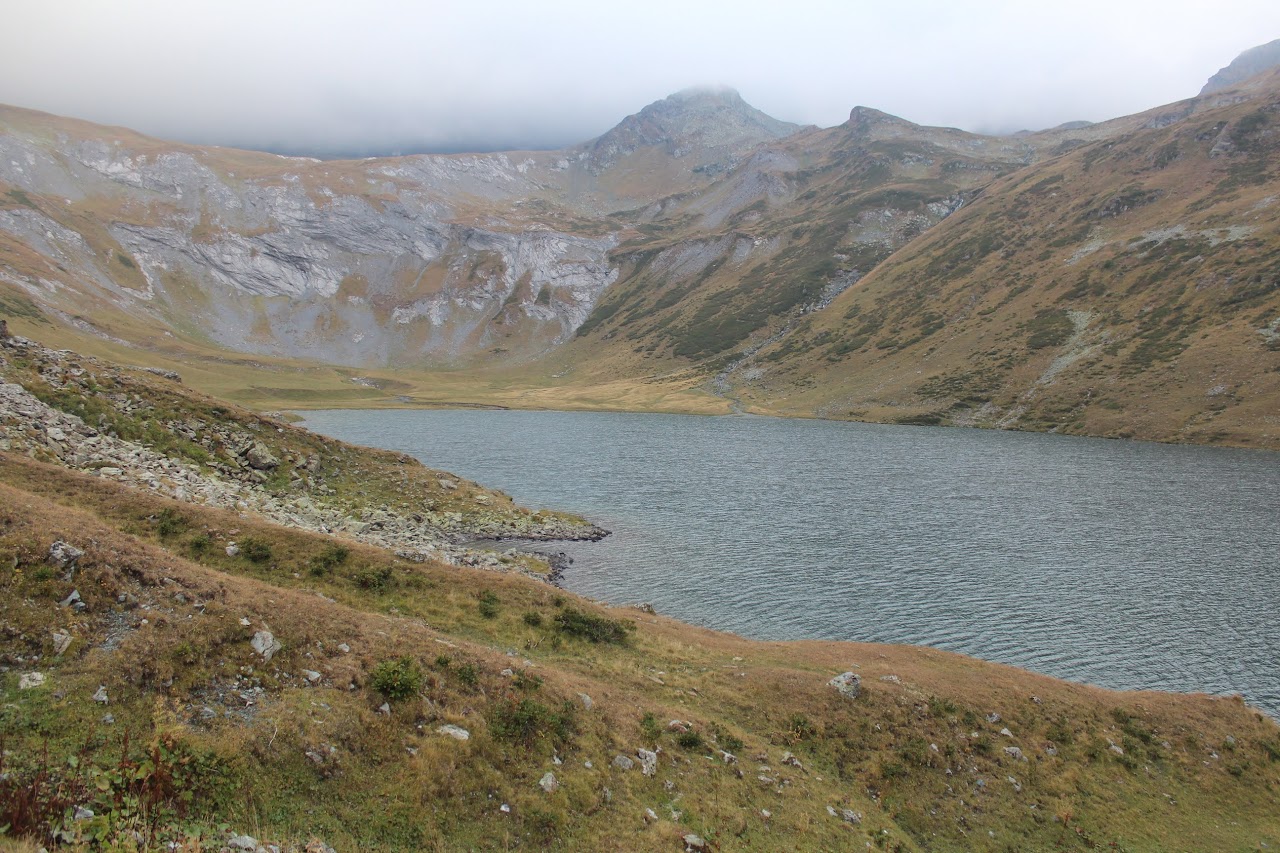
{"x": 237, "y": 478}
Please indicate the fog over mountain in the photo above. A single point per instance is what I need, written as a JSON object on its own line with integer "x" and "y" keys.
{"x": 384, "y": 76}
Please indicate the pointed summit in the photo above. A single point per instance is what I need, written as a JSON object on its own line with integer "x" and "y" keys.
{"x": 710, "y": 125}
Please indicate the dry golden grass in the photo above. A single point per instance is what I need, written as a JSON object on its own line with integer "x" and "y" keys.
{"x": 871, "y": 755}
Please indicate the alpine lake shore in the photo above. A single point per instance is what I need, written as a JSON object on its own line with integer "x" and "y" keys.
{"x": 221, "y": 631}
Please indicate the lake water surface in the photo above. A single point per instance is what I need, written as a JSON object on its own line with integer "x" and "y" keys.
{"x": 1125, "y": 564}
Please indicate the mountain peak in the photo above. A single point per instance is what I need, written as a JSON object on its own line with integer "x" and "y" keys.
{"x": 1252, "y": 62}
{"x": 713, "y": 94}
{"x": 708, "y": 123}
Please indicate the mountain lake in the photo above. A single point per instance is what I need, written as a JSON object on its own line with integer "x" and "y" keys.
{"x": 1124, "y": 564}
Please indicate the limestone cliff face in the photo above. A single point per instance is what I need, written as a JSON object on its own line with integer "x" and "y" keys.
{"x": 373, "y": 262}
{"x": 442, "y": 260}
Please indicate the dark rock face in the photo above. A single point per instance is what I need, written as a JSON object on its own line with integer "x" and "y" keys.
{"x": 1252, "y": 62}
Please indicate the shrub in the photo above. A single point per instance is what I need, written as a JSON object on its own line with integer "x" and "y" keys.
{"x": 170, "y": 522}
{"x": 255, "y": 550}
{"x": 468, "y": 675}
{"x": 597, "y": 629}
{"x": 527, "y": 721}
{"x": 373, "y": 578}
{"x": 689, "y": 740}
{"x": 397, "y": 679}
{"x": 443, "y": 661}
{"x": 727, "y": 740}
{"x": 892, "y": 770}
{"x": 649, "y": 727}
{"x": 200, "y": 544}
{"x": 332, "y": 556}
{"x": 533, "y": 620}
{"x": 527, "y": 681}
{"x": 488, "y": 604}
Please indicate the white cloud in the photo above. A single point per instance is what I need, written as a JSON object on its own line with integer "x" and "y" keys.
{"x": 385, "y": 74}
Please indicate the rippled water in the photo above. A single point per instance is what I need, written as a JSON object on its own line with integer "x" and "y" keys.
{"x": 1129, "y": 565}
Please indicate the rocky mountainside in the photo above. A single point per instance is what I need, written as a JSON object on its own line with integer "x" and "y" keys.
{"x": 404, "y": 261}
{"x": 1251, "y": 63}
{"x": 705, "y": 247}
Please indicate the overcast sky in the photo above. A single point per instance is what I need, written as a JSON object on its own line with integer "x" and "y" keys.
{"x": 380, "y": 76}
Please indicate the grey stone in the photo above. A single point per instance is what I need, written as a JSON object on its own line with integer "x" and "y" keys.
{"x": 61, "y": 642}
{"x": 242, "y": 842}
{"x": 63, "y": 554}
{"x": 259, "y": 457}
{"x": 455, "y": 732}
{"x": 30, "y": 680}
{"x": 695, "y": 844}
{"x": 847, "y": 684}
{"x": 311, "y": 676}
{"x": 548, "y": 782}
{"x": 265, "y": 644}
{"x": 1014, "y": 753}
{"x": 101, "y": 695}
{"x": 648, "y": 761}
{"x": 622, "y": 762}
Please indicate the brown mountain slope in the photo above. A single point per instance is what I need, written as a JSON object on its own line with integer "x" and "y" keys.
{"x": 1127, "y": 287}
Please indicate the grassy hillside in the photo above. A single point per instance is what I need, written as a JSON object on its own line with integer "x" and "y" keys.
{"x": 167, "y": 711}
{"x": 1127, "y": 288}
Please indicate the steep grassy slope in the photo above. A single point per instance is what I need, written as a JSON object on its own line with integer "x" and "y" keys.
{"x": 1128, "y": 287}
{"x": 299, "y": 687}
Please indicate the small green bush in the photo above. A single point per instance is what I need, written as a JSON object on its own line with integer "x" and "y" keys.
{"x": 488, "y": 604}
{"x": 650, "y": 727}
{"x": 799, "y": 727}
{"x": 527, "y": 721}
{"x": 255, "y": 550}
{"x": 468, "y": 675}
{"x": 689, "y": 740}
{"x": 597, "y": 629}
{"x": 170, "y": 522}
{"x": 200, "y": 544}
{"x": 727, "y": 740}
{"x": 532, "y": 619}
{"x": 373, "y": 578}
{"x": 397, "y": 679}
{"x": 332, "y": 556}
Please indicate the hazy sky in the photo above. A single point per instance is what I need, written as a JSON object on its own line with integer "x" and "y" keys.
{"x": 377, "y": 76}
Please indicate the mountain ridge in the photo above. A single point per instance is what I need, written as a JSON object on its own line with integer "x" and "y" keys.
{"x": 677, "y": 249}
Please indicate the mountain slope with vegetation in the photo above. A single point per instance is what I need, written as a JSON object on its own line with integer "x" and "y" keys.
{"x": 316, "y": 690}
{"x": 1127, "y": 287}
{"x": 1114, "y": 279}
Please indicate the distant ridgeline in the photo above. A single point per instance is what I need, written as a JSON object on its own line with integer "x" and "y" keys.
{"x": 1116, "y": 278}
